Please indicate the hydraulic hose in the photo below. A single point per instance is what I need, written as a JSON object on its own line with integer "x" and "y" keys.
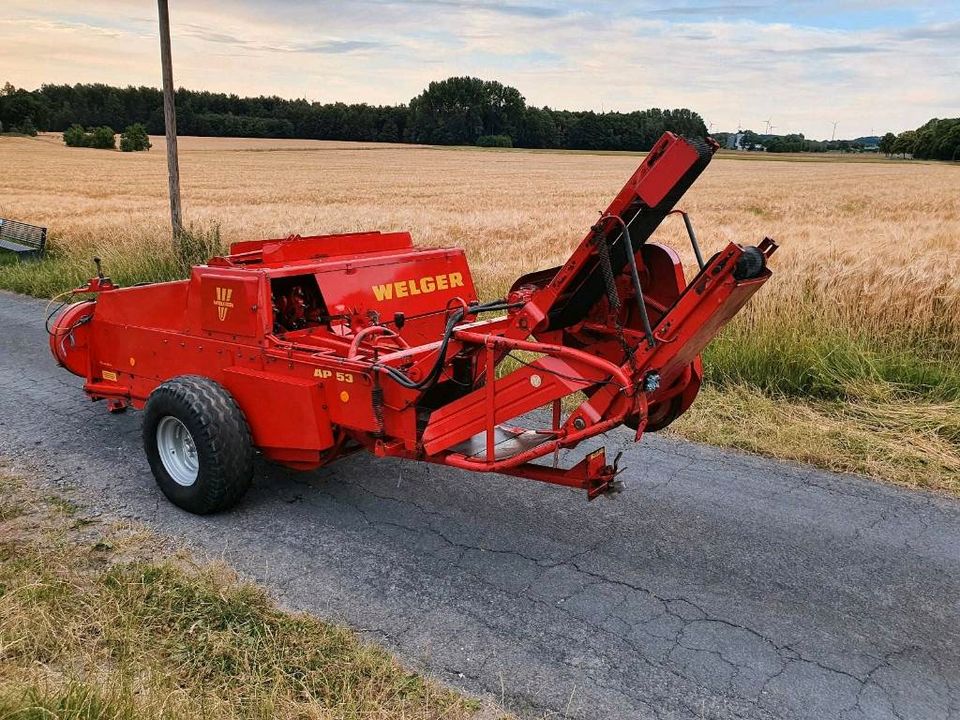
{"x": 455, "y": 318}
{"x": 635, "y": 276}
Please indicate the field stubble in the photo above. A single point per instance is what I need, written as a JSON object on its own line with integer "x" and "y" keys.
{"x": 847, "y": 358}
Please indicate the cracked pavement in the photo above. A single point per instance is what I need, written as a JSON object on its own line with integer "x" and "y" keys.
{"x": 717, "y": 585}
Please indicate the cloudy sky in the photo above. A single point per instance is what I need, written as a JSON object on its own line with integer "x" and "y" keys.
{"x": 871, "y": 66}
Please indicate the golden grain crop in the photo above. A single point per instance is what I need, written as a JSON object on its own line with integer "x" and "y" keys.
{"x": 881, "y": 237}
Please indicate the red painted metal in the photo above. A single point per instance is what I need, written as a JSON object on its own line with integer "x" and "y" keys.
{"x": 333, "y": 342}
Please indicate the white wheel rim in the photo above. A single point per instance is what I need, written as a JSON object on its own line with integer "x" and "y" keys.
{"x": 178, "y": 452}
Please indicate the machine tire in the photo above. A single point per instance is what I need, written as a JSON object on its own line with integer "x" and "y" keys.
{"x": 221, "y": 443}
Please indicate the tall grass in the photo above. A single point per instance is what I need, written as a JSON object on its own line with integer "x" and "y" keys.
{"x": 827, "y": 332}
{"x": 823, "y": 361}
{"x": 126, "y": 259}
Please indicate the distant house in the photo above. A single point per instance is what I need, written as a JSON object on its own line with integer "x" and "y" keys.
{"x": 735, "y": 141}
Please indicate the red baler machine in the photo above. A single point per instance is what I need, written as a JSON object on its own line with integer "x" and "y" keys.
{"x": 308, "y": 348}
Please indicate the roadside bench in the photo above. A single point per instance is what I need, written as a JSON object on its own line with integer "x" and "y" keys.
{"x": 27, "y": 241}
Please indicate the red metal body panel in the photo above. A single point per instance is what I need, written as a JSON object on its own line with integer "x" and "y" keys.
{"x": 336, "y": 341}
{"x": 306, "y": 427}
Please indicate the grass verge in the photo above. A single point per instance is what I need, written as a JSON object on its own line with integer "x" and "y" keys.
{"x": 93, "y": 627}
{"x": 910, "y": 441}
{"x": 125, "y": 260}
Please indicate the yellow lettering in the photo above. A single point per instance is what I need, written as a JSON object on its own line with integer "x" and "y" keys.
{"x": 421, "y": 286}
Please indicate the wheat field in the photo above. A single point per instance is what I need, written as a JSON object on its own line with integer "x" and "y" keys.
{"x": 847, "y": 358}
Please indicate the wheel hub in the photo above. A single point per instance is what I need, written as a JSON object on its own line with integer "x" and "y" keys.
{"x": 177, "y": 450}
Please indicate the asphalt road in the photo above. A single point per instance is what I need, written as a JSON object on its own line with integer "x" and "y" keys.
{"x": 717, "y": 585}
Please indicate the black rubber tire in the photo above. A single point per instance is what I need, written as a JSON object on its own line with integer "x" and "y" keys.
{"x": 220, "y": 433}
{"x": 750, "y": 264}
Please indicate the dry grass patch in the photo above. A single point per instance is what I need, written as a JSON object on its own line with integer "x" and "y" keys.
{"x": 93, "y": 626}
{"x": 911, "y": 442}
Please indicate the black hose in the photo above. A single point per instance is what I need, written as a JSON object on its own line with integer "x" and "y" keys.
{"x": 435, "y": 372}
{"x": 56, "y": 310}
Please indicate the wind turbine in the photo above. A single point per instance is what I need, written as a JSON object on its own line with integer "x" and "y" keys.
{"x": 767, "y": 131}
{"x": 834, "y": 135}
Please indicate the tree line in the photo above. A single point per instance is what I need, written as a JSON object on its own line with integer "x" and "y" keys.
{"x": 935, "y": 140}
{"x": 455, "y": 111}
{"x": 795, "y": 142}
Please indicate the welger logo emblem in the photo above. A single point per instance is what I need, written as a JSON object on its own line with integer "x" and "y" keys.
{"x": 223, "y": 302}
{"x": 417, "y": 286}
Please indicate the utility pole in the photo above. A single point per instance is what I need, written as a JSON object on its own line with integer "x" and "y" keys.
{"x": 170, "y": 121}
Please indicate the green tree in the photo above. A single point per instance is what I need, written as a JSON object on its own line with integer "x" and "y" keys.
{"x": 27, "y": 127}
{"x": 103, "y": 138}
{"x": 950, "y": 142}
{"x": 938, "y": 139}
{"x": 16, "y": 105}
{"x": 751, "y": 138}
{"x": 538, "y": 129}
{"x": 135, "y": 138}
{"x": 389, "y": 132}
{"x": 905, "y": 143}
{"x": 458, "y": 110}
{"x": 590, "y": 131}
{"x": 501, "y": 141}
{"x": 75, "y": 136}
{"x": 887, "y": 142}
